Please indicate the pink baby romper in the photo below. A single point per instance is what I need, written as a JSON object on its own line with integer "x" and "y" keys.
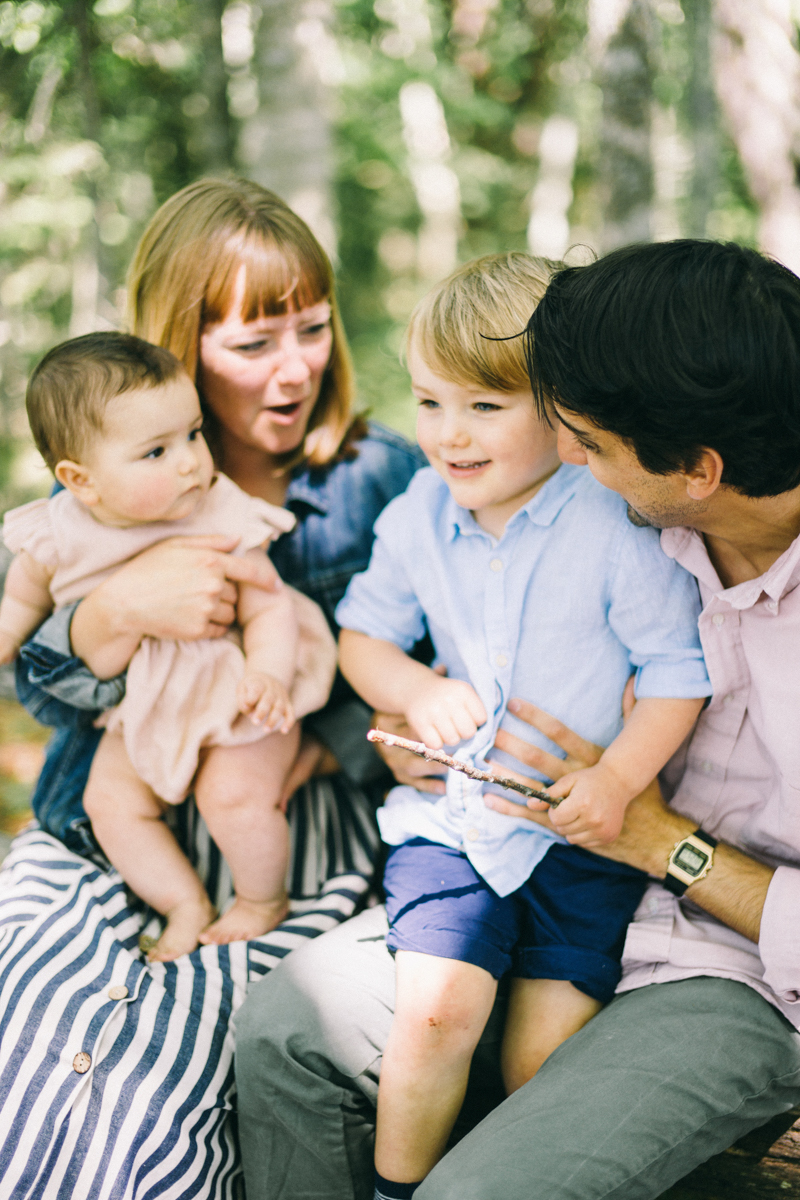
{"x": 180, "y": 696}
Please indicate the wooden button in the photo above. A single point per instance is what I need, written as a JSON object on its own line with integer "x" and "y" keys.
{"x": 81, "y": 1062}
{"x": 119, "y": 992}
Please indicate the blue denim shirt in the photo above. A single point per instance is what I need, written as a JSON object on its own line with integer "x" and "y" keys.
{"x": 336, "y": 510}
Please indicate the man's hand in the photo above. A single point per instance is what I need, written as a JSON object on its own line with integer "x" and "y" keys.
{"x": 735, "y": 890}
{"x": 650, "y": 828}
{"x": 267, "y": 701}
{"x": 406, "y": 767}
{"x": 445, "y": 711}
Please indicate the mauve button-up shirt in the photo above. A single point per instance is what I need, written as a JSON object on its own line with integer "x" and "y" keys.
{"x": 739, "y": 778}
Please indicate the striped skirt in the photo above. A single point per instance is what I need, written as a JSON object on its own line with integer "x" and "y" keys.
{"x": 116, "y": 1075}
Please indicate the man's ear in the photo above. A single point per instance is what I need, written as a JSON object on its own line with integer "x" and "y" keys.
{"x": 705, "y": 476}
{"x": 78, "y": 480}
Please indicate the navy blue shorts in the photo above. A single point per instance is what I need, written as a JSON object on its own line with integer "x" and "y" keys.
{"x": 567, "y": 922}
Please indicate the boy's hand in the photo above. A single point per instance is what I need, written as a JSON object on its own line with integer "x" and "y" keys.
{"x": 594, "y": 809}
{"x": 267, "y": 701}
{"x": 445, "y": 712}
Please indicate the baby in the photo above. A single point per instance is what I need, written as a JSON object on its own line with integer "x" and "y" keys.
{"x": 531, "y": 582}
{"x": 119, "y": 423}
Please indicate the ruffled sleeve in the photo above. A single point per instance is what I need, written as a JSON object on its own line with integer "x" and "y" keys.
{"x": 250, "y": 518}
{"x": 276, "y": 521}
{"x": 30, "y": 528}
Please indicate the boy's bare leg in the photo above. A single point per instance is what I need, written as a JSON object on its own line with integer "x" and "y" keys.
{"x": 238, "y": 791}
{"x": 441, "y": 1009}
{"x": 542, "y": 1013}
{"x": 126, "y": 818}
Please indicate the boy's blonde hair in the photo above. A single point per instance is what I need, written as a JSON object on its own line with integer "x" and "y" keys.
{"x": 491, "y": 297}
{"x": 70, "y": 388}
{"x": 183, "y": 278}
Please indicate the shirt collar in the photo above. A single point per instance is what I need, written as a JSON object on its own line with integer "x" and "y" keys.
{"x": 687, "y": 547}
{"x": 311, "y": 488}
{"x": 541, "y": 509}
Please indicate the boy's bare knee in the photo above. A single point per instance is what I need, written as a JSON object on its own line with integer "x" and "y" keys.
{"x": 446, "y": 1026}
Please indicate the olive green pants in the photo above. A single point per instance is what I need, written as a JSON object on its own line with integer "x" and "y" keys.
{"x": 661, "y": 1080}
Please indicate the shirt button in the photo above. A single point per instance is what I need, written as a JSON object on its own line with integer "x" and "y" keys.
{"x": 707, "y": 767}
{"x": 496, "y": 564}
{"x": 120, "y": 992}
{"x": 472, "y": 835}
{"x": 81, "y": 1062}
{"x": 718, "y": 619}
{"x": 501, "y": 660}
{"x": 772, "y": 605}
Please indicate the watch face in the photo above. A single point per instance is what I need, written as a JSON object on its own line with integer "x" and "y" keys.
{"x": 690, "y": 860}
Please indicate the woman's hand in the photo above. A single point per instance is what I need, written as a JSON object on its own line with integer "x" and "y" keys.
{"x": 181, "y": 588}
{"x": 407, "y": 768}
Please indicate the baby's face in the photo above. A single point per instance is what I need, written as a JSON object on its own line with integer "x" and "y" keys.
{"x": 490, "y": 448}
{"x": 151, "y": 462}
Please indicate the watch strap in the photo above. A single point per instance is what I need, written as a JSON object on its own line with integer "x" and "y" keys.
{"x": 679, "y": 886}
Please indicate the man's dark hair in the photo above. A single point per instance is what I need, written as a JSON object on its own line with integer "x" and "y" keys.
{"x": 675, "y": 347}
{"x": 70, "y": 388}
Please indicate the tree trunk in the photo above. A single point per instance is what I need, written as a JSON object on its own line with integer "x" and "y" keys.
{"x": 215, "y": 136}
{"x": 286, "y": 144}
{"x": 435, "y": 183}
{"x": 703, "y": 117}
{"x": 757, "y": 74}
{"x": 87, "y": 281}
{"x": 625, "y": 74}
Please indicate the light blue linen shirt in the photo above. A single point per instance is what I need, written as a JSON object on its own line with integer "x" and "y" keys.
{"x": 560, "y": 611}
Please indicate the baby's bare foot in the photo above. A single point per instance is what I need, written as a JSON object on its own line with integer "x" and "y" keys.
{"x": 185, "y": 922}
{"x": 246, "y": 919}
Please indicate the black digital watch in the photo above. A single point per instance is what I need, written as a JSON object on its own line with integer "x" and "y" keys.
{"x": 691, "y": 859}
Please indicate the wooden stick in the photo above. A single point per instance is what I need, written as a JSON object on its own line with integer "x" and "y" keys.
{"x": 510, "y": 785}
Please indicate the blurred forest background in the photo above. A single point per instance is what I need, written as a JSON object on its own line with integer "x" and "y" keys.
{"x": 410, "y": 134}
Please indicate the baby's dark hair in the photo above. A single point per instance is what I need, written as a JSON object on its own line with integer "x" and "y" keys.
{"x": 70, "y": 388}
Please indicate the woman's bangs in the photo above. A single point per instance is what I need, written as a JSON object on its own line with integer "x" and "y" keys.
{"x": 278, "y": 279}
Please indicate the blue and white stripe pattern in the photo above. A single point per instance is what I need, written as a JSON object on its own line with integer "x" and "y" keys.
{"x": 116, "y": 1076}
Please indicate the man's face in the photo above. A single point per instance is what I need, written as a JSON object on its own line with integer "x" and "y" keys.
{"x": 658, "y": 500}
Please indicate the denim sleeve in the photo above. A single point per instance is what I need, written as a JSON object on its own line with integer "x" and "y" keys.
{"x": 55, "y": 686}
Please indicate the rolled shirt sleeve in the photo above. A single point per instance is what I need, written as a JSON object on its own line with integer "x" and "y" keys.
{"x": 654, "y": 609}
{"x": 381, "y": 602}
{"x": 779, "y": 941}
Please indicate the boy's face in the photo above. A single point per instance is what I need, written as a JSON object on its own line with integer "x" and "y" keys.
{"x": 151, "y": 462}
{"x": 490, "y": 448}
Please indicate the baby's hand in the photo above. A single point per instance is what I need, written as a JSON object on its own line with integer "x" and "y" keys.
{"x": 445, "y": 712}
{"x": 9, "y": 648}
{"x": 267, "y": 701}
{"x": 594, "y": 809}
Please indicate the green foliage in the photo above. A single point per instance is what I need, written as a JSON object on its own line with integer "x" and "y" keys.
{"x": 108, "y": 108}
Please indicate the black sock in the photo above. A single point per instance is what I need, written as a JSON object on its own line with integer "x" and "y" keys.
{"x": 387, "y": 1189}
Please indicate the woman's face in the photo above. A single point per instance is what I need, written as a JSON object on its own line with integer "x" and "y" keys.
{"x": 261, "y": 378}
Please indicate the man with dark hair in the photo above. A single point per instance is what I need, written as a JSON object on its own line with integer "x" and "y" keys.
{"x": 673, "y": 371}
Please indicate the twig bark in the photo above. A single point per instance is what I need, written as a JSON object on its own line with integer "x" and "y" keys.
{"x": 503, "y": 781}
